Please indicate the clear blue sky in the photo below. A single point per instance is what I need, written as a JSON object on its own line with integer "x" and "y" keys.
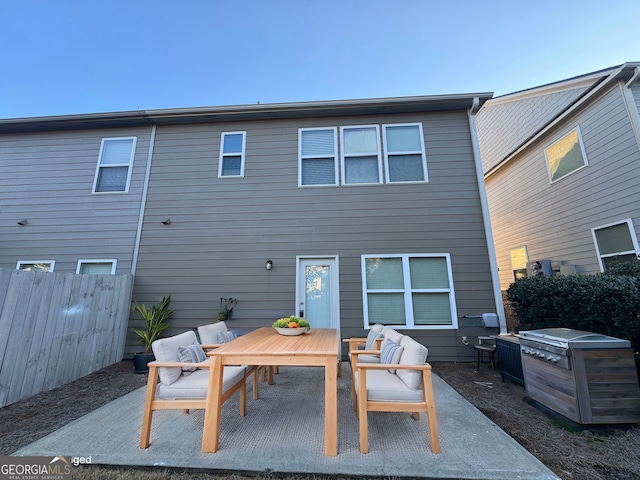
{"x": 61, "y": 57}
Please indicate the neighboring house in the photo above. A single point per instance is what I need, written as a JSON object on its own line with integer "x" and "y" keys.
{"x": 347, "y": 212}
{"x": 562, "y": 172}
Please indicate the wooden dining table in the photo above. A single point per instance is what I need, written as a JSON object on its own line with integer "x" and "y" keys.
{"x": 319, "y": 347}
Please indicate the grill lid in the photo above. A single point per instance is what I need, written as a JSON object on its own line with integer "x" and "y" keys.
{"x": 569, "y": 338}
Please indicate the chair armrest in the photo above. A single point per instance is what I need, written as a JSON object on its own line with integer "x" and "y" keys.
{"x": 354, "y": 339}
{"x": 395, "y": 366}
{"x": 355, "y": 353}
{"x": 179, "y": 364}
{"x": 354, "y": 342}
{"x": 211, "y": 345}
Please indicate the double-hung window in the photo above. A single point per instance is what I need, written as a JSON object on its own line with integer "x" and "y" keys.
{"x": 113, "y": 173}
{"x": 361, "y": 161}
{"x": 404, "y": 155}
{"x": 317, "y": 156}
{"x": 411, "y": 291}
{"x": 519, "y": 261}
{"x": 615, "y": 243}
{"x": 97, "y": 267}
{"x": 566, "y": 155}
{"x": 232, "y": 148}
{"x": 36, "y": 265}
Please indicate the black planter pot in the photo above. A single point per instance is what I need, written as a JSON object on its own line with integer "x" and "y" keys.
{"x": 140, "y": 361}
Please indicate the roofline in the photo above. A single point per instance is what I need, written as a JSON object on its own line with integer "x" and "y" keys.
{"x": 624, "y": 72}
{"x": 244, "y": 112}
{"x": 566, "y": 84}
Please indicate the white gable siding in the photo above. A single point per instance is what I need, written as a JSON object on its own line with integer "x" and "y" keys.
{"x": 505, "y": 125}
{"x": 554, "y": 221}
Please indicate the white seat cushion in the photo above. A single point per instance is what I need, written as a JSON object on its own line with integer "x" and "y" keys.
{"x": 195, "y": 385}
{"x": 388, "y": 387}
{"x": 166, "y": 350}
{"x": 413, "y": 354}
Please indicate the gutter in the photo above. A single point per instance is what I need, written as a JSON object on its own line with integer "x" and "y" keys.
{"x": 484, "y": 205}
{"x": 318, "y": 109}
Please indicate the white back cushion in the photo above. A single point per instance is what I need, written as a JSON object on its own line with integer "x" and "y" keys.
{"x": 166, "y": 350}
{"x": 413, "y": 354}
{"x": 392, "y": 335}
{"x": 209, "y": 333}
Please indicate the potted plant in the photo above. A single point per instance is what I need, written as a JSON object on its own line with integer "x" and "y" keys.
{"x": 155, "y": 322}
{"x": 226, "y": 308}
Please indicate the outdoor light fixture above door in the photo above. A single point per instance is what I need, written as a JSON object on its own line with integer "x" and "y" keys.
{"x": 268, "y": 265}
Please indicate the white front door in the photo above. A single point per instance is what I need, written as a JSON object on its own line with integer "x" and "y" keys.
{"x": 318, "y": 291}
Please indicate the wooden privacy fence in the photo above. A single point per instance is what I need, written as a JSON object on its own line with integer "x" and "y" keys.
{"x": 58, "y": 327}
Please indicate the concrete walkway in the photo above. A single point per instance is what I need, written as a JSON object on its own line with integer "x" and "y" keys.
{"x": 283, "y": 432}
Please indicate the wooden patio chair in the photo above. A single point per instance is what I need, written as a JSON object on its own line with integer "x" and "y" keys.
{"x": 407, "y": 389}
{"x": 368, "y": 350}
{"x": 179, "y": 388}
{"x": 213, "y": 335}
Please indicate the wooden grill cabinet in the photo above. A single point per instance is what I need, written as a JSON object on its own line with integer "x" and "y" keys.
{"x": 586, "y": 377}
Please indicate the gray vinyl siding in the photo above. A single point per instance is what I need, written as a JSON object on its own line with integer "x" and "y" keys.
{"x": 223, "y": 230}
{"x": 554, "y": 221}
{"x": 47, "y": 178}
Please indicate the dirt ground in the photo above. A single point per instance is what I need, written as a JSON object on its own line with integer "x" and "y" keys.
{"x": 571, "y": 453}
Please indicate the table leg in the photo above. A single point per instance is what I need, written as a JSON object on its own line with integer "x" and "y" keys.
{"x": 213, "y": 407}
{"x": 331, "y": 407}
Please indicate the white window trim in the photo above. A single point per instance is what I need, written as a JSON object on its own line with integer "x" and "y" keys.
{"x": 634, "y": 240}
{"x": 584, "y": 154}
{"x": 129, "y": 165}
{"x": 234, "y": 154}
{"x": 344, "y": 156}
{"x": 409, "y": 152}
{"x": 52, "y": 263}
{"x": 113, "y": 262}
{"x": 408, "y": 304}
{"x": 335, "y": 157}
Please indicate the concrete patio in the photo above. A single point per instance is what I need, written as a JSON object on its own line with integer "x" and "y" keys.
{"x": 283, "y": 432}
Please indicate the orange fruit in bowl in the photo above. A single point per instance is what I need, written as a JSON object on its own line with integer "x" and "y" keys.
{"x": 292, "y": 325}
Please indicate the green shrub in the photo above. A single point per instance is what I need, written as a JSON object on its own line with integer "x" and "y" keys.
{"x": 603, "y": 303}
{"x": 624, "y": 268}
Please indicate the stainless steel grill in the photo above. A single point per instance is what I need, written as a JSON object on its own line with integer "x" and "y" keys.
{"x": 585, "y": 376}
{"x": 564, "y": 338}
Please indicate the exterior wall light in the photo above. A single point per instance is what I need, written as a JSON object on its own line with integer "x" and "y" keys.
{"x": 268, "y": 265}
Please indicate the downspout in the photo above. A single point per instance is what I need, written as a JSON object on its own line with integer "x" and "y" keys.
{"x": 484, "y": 205}
{"x": 630, "y": 104}
{"x": 143, "y": 202}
